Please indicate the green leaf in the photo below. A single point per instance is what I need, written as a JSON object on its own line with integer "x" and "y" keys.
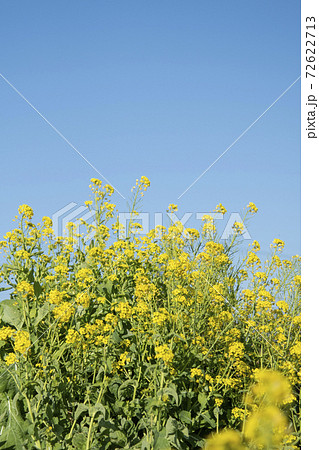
{"x": 79, "y": 441}
{"x": 171, "y": 390}
{"x": 202, "y": 399}
{"x": 11, "y": 314}
{"x": 43, "y": 311}
{"x": 185, "y": 416}
{"x": 79, "y": 410}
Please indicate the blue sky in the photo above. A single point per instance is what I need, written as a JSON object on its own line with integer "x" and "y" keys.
{"x": 158, "y": 89}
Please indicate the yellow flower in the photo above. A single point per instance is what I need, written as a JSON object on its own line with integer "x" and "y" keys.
{"x": 63, "y": 312}
{"x": 25, "y": 288}
{"x": 26, "y": 211}
{"x": 47, "y": 222}
{"x": 271, "y": 387}
{"x": 238, "y": 227}
{"x": 283, "y": 305}
{"x": 5, "y": 333}
{"x": 172, "y": 207}
{"x": 96, "y": 182}
{"x": 277, "y": 244}
{"x": 266, "y": 427}
{"x": 164, "y": 353}
{"x": 218, "y": 402}
{"x": 21, "y": 341}
{"x": 124, "y": 310}
{"x": 220, "y": 209}
{"x": 10, "y": 359}
{"x": 226, "y": 440}
{"x": 196, "y": 373}
{"x": 252, "y": 207}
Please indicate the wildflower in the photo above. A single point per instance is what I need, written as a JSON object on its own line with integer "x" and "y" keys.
{"x": 21, "y": 341}
{"x": 63, "y": 312}
{"x": 220, "y": 209}
{"x": 277, "y": 244}
{"x": 11, "y": 359}
{"x": 47, "y": 222}
{"x": 25, "y": 288}
{"x": 238, "y": 413}
{"x": 55, "y": 297}
{"x": 283, "y": 305}
{"x": 83, "y": 299}
{"x": 218, "y": 402}
{"x": 227, "y": 439}
{"x": 26, "y": 211}
{"x": 124, "y": 310}
{"x": 252, "y": 207}
{"x": 5, "y": 333}
{"x": 96, "y": 182}
{"x": 196, "y": 373}
{"x": 252, "y": 260}
{"x": 238, "y": 227}
{"x": 266, "y": 427}
{"x": 160, "y": 317}
{"x": 164, "y": 353}
{"x": 256, "y": 246}
{"x": 172, "y": 207}
{"x": 271, "y": 387}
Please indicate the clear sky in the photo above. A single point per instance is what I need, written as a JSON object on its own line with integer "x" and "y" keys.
{"x": 155, "y": 88}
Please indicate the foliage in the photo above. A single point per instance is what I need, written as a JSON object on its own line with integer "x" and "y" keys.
{"x": 140, "y": 342}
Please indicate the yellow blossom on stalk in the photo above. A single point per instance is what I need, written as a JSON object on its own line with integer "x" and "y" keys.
{"x": 61, "y": 269}
{"x": 252, "y": 207}
{"x": 283, "y": 305}
{"x": 55, "y": 297}
{"x": 220, "y": 209}
{"x": 25, "y": 288}
{"x": 160, "y": 317}
{"x": 218, "y": 402}
{"x": 63, "y": 312}
{"x": 47, "y": 222}
{"x": 275, "y": 281}
{"x": 83, "y": 299}
{"x": 236, "y": 350}
{"x": 261, "y": 275}
{"x": 256, "y": 246}
{"x": 252, "y": 260}
{"x": 277, "y": 244}
{"x": 164, "y": 353}
{"x": 297, "y": 280}
{"x": 296, "y": 349}
{"x": 5, "y": 333}
{"x": 26, "y": 211}
{"x": 238, "y": 227}
{"x": 72, "y": 337}
{"x": 192, "y": 232}
{"x": 21, "y": 341}
{"x": 124, "y": 310}
{"x": 266, "y": 427}
{"x": 271, "y": 387}
{"x": 238, "y": 413}
{"x": 226, "y": 440}
{"x": 172, "y": 207}
{"x": 196, "y": 373}
{"x": 22, "y": 254}
{"x": 96, "y": 182}
{"x": 11, "y": 359}
{"x": 277, "y": 261}
{"x": 145, "y": 182}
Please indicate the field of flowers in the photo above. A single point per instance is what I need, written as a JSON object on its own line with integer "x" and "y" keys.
{"x": 154, "y": 342}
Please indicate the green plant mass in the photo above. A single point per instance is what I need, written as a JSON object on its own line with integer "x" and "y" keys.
{"x": 162, "y": 341}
